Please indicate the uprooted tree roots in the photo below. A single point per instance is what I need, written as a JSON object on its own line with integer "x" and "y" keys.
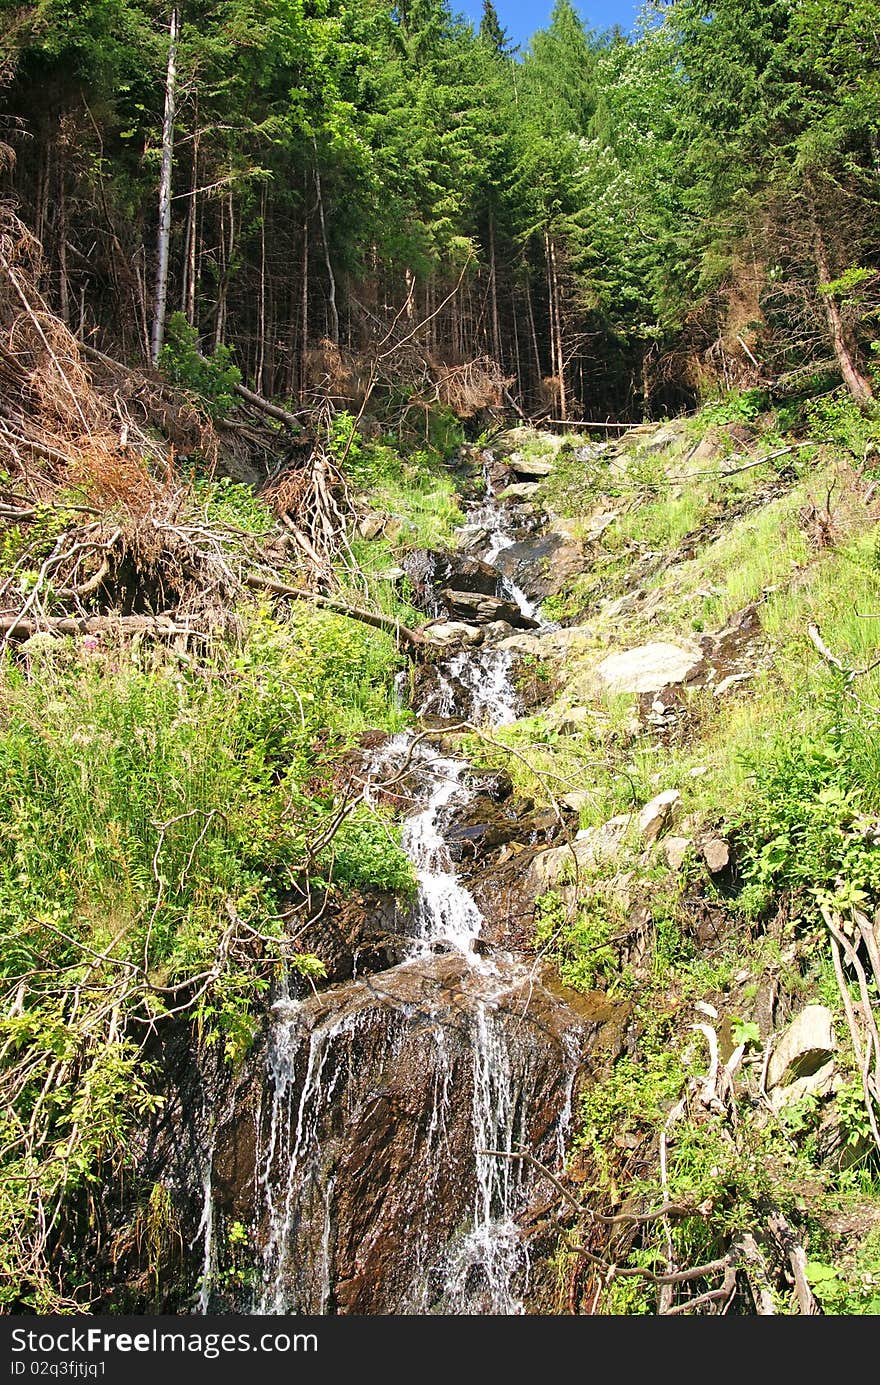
{"x": 101, "y": 529}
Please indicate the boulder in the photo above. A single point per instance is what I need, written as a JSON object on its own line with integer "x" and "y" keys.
{"x": 522, "y": 490}
{"x": 715, "y": 851}
{"x": 474, "y": 606}
{"x": 542, "y": 564}
{"x": 675, "y": 849}
{"x": 597, "y": 524}
{"x": 529, "y": 468}
{"x": 820, "y": 1083}
{"x": 431, "y": 570}
{"x": 804, "y": 1047}
{"x": 355, "y": 1162}
{"x": 592, "y": 847}
{"x": 447, "y": 632}
{"x": 662, "y": 438}
{"x": 659, "y": 814}
{"x": 649, "y": 667}
{"x": 370, "y": 526}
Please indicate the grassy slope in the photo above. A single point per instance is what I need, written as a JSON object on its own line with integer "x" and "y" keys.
{"x": 786, "y": 764}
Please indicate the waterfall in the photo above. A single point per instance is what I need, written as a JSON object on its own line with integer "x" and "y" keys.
{"x": 448, "y": 1009}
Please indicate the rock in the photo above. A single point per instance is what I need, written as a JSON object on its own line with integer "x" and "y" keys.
{"x": 542, "y": 564}
{"x": 368, "y": 1133}
{"x": 522, "y": 490}
{"x": 370, "y": 526}
{"x": 823, "y": 1082}
{"x": 430, "y": 571}
{"x": 522, "y": 644}
{"x": 659, "y": 814}
{"x": 590, "y": 848}
{"x": 496, "y": 631}
{"x": 675, "y": 849}
{"x": 715, "y": 851}
{"x": 498, "y": 784}
{"x": 649, "y": 668}
{"x": 805, "y": 1046}
{"x": 529, "y": 467}
{"x": 452, "y": 632}
{"x": 709, "y": 449}
{"x": 730, "y": 682}
{"x": 475, "y": 606}
{"x": 572, "y": 720}
{"x": 570, "y": 640}
{"x": 662, "y": 438}
{"x": 597, "y": 525}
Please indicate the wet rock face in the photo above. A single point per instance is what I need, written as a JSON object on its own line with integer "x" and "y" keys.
{"x": 542, "y": 564}
{"x": 360, "y": 1167}
{"x": 475, "y": 606}
{"x": 430, "y": 571}
{"x": 355, "y": 934}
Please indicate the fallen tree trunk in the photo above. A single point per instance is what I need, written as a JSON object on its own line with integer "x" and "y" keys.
{"x": 267, "y": 407}
{"x": 23, "y": 627}
{"x": 256, "y": 401}
{"x": 410, "y": 641}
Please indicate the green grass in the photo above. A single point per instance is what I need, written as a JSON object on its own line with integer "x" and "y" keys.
{"x": 154, "y": 824}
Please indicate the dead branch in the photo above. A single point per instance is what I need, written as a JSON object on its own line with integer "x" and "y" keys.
{"x": 409, "y": 640}
{"x": 266, "y": 406}
{"x": 23, "y": 628}
{"x": 822, "y": 648}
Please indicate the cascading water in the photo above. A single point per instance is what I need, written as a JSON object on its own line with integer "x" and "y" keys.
{"x": 457, "y": 1014}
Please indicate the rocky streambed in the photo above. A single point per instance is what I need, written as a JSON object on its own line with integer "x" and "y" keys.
{"x": 371, "y": 1161}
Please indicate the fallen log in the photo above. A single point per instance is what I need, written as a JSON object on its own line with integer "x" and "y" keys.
{"x": 266, "y": 406}
{"x": 410, "y": 641}
{"x": 25, "y": 626}
{"x": 256, "y": 401}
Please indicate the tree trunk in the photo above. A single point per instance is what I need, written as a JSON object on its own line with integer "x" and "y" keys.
{"x": 516, "y": 352}
{"x": 304, "y": 336}
{"x": 533, "y": 332}
{"x": 560, "y": 353}
{"x": 164, "y": 236}
{"x": 331, "y": 298}
{"x": 857, "y": 384}
{"x": 63, "y": 295}
{"x": 261, "y": 349}
{"x": 188, "y": 297}
{"x": 493, "y": 289}
{"x": 227, "y": 250}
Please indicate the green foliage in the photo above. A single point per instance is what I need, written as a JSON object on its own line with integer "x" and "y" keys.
{"x": 152, "y": 825}
{"x": 735, "y": 406}
{"x": 837, "y": 419}
{"x": 27, "y": 546}
{"x": 213, "y": 378}
{"x": 810, "y": 815}
{"x": 414, "y": 489}
{"x": 228, "y": 504}
{"x": 853, "y": 1290}
{"x": 580, "y": 941}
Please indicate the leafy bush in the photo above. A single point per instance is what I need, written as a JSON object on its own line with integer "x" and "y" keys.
{"x": 837, "y": 419}
{"x": 808, "y": 823}
{"x": 232, "y": 504}
{"x": 212, "y": 377}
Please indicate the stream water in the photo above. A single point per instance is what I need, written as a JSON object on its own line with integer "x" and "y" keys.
{"x": 427, "y": 1076}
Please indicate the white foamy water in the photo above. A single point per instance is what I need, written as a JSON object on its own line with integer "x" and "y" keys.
{"x": 485, "y": 1268}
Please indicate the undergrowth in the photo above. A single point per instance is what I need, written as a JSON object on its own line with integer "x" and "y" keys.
{"x": 154, "y": 822}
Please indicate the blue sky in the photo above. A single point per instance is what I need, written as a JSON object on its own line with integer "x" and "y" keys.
{"x": 522, "y": 17}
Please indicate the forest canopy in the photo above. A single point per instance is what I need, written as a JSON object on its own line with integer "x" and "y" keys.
{"x": 618, "y": 224}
